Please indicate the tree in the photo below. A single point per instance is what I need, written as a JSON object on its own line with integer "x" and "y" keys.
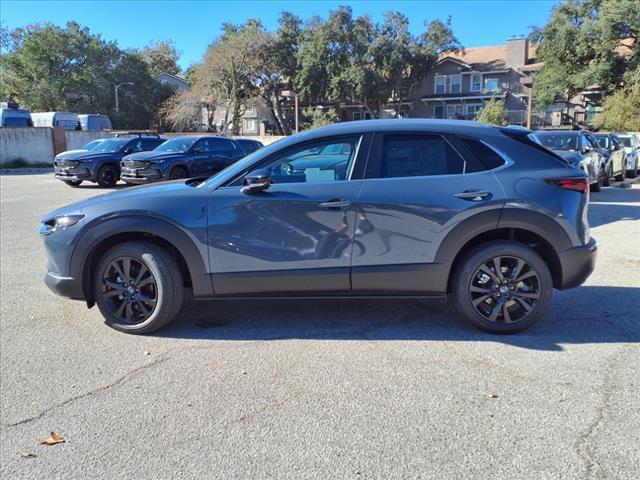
{"x": 493, "y": 113}
{"x": 161, "y": 57}
{"x": 586, "y": 43}
{"x": 621, "y": 109}
{"x": 319, "y": 117}
{"x": 228, "y": 71}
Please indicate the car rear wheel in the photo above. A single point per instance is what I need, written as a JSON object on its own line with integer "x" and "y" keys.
{"x": 73, "y": 183}
{"x": 138, "y": 287}
{"x": 108, "y": 176}
{"x": 503, "y": 287}
{"x": 596, "y": 187}
{"x": 620, "y": 176}
{"x": 633, "y": 172}
{"x": 178, "y": 173}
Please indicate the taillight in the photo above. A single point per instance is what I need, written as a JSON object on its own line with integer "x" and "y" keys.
{"x": 578, "y": 184}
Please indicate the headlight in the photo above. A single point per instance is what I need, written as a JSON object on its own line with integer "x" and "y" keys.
{"x": 157, "y": 160}
{"x": 59, "y": 223}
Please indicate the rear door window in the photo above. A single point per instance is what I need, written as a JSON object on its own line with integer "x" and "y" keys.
{"x": 221, "y": 145}
{"x": 414, "y": 155}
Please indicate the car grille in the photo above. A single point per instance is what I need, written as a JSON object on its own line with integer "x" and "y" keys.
{"x": 135, "y": 164}
{"x": 66, "y": 164}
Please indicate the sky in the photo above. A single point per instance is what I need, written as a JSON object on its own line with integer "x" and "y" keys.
{"x": 194, "y": 24}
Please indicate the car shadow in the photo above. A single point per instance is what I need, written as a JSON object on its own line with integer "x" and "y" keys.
{"x": 95, "y": 186}
{"x": 589, "y": 314}
{"x": 611, "y": 205}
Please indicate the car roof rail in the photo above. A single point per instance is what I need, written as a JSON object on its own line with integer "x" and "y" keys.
{"x": 139, "y": 134}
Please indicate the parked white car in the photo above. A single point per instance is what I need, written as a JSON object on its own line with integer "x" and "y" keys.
{"x": 632, "y": 148}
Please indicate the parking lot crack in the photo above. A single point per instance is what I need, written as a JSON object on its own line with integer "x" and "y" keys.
{"x": 585, "y": 441}
{"x": 120, "y": 380}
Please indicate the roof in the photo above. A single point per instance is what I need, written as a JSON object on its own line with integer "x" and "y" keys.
{"x": 180, "y": 78}
{"x": 486, "y": 58}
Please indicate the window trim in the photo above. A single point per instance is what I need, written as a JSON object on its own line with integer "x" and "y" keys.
{"x": 359, "y": 114}
{"x": 479, "y": 89}
{"x": 375, "y": 157}
{"x": 435, "y": 84}
{"x": 362, "y": 147}
{"x": 451, "y": 77}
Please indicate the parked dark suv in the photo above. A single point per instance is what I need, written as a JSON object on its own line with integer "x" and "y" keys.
{"x": 101, "y": 163}
{"x": 393, "y": 208}
{"x": 249, "y": 145}
{"x": 181, "y": 157}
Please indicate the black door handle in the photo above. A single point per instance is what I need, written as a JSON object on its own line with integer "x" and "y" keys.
{"x": 474, "y": 195}
{"x": 335, "y": 203}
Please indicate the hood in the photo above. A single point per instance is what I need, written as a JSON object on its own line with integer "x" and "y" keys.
{"x": 81, "y": 155}
{"x": 153, "y": 155}
{"x": 137, "y": 198}
{"x": 70, "y": 154}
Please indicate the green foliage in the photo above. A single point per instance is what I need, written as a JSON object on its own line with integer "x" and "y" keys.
{"x": 319, "y": 117}
{"x": 161, "y": 57}
{"x": 51, "y": 68}
{"x": 586, "y": 43}
{"x": 621, "y": 109}
{"x": 493, "y": 113}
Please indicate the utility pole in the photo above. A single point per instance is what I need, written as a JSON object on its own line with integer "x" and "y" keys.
{"x": 528, "y": 82}
{"x": 116, "y": 89}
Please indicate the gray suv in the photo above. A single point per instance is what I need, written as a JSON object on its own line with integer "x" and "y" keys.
{"x": 392, "y": 208}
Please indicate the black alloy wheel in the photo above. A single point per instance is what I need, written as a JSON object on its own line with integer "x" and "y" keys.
{"x": 504, "y": 289}
{"x": 130, "y": 290}
{"x": 178, "y": 173}
{"x": 107, "y": 176}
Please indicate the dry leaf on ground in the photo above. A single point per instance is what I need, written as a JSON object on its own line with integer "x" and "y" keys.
{"x": 52, "y": 440}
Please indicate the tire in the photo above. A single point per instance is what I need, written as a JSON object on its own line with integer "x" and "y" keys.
{"x": 606, "y": 182}
{"x": 151, "y": 299}
{"x": 73, "y": 183}
{"x": 108, "y": 176}
{"x": 596, "y": 187}
{"x": 633, "y": 172}
{"x": 178, "y": 173}
{"x": 471, "y": 284}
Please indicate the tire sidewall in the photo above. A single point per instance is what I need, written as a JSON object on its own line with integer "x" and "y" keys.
{"x": 151, "y": 257}
{"x": 173, "y": 171}
{"x": 116, "y": 176}
{"x": 485, "y": 252}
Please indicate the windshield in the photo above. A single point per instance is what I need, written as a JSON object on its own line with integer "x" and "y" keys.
{"x": 112, "y": 145}
{"x": 92, "y": 145}
{"x": 603, "y": 142}
{"x": 626, "y": 141}
{"x": 558, "y": 140}
{"x": 178, "y": 145}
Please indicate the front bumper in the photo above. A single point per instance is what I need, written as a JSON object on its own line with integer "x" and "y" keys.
{"x": 64, "y": 286}
{"x": 577, "y": 264}
{"x": 72, "y": 174}
{"x": 146, "y": 175}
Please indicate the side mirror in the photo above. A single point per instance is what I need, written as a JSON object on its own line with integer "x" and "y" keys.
{"x": 619, "y": 147}
{"x": 198, "y": 151}
{"x": 586, "y": 149}
{"x": 257, "y": 181}
{"x": 128, "y": 151}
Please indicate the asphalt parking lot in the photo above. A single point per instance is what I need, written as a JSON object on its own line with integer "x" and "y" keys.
{"x": 321, "y": 389}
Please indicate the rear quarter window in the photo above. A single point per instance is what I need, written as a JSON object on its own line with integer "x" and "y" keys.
{"x": 488, "y": 157}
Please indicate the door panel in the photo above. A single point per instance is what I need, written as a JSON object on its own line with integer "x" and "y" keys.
{"x": 414, "y": 193}
{"x": 285, "y": 239}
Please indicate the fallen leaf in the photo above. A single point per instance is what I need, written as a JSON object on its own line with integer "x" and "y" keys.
{"x": 52, "y": 440}
{"x": 492, "y": 395}
{"x": 147, "y": 352}
{"x": 25, "y": 454}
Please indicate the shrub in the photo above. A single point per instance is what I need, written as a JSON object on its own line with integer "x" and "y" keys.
{"x": 493, "y": 113}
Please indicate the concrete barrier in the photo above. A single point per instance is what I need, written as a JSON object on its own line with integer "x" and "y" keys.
{"x": 33, "y": 145}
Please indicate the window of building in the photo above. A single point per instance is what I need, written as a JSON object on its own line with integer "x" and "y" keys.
{"x": 357, "y": 115}
{"x": 476, "y": 82}
{"x": 440, "y": 84}
{"x": 367, "y": 116}
{"x": 455, "y": 85}
{"x": 455, "y": 111}
{"x": 491, "y": 84}
{"x": 473, "y": 109}
{"x": 407, "y": 155}
{"x": 438, "y": 111}
{"x": 250, "y": 125}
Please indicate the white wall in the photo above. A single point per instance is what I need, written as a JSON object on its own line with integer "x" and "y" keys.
{"x": 35, "y": 145}
{"x": 77, "y": 139}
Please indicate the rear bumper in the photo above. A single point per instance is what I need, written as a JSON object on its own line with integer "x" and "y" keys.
{"x": 577, "y": 264}
{"x": 64, "y": 286}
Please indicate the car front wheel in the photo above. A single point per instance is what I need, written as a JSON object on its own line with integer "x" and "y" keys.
{"x": 108, "y": 176}
{"x": 503, "y": 287}
{"x": 73, "y": 183}
{"x": 138, "y": 287}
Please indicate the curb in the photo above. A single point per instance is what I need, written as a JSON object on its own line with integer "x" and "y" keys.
{"x": 22, "y": 171}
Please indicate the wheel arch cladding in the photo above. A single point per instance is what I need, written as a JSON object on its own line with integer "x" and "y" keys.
{"x": 542, "y": 234}
{"x": 108, "y": 233}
